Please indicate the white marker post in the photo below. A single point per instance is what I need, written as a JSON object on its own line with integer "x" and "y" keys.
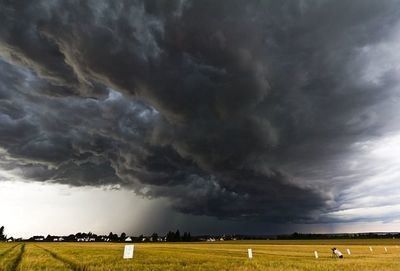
{"x": 250, "y": 253}
{"x": 348, "y": 251}
{"x": 316, "y": 254}
{"x": 385, "y": 249}
{"x": 128, "y": 251}
{"x": 370, "y": 249}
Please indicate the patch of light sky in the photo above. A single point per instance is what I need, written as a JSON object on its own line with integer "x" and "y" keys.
{"x": 29, "y": 208}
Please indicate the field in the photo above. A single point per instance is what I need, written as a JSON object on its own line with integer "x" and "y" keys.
{"x": 268, "y": 255}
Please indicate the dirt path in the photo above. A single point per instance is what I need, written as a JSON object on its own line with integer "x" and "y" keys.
{"x": 67, "y": 262}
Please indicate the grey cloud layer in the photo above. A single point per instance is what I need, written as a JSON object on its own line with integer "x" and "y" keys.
{"x": 225, "y": 108}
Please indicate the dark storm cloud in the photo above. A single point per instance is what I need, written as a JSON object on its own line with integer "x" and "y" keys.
{"x": 223, "y": 107}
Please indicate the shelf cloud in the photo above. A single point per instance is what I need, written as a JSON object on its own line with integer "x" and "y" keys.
{"x": 260, "y": 110}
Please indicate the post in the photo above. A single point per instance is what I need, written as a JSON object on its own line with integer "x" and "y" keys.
{"x": 250, "y": 253}
{"x": 348, "y": 251}
{"x": 316, "y": 254}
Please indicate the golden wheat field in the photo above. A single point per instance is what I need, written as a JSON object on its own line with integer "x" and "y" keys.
{"x": 267, "y": 255}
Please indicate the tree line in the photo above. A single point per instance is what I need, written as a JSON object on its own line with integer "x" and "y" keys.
{"x": 314, "y": 236}
{"x": 176, "y": 236}
{"x": 113, "y": 237}
{"x": 171, "y": 236}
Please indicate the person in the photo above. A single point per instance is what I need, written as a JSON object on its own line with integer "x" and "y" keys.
{"x": 336, "y": 252}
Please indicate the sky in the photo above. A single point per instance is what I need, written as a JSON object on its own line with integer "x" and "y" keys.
{"x": 255, "y": 117}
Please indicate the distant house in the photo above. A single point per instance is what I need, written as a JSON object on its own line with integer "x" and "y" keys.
{"x": 38, "y": 238}
{"x": 105, "y": 239}
{"x": 128, "y": 239}
{"x": 10, "y": 239}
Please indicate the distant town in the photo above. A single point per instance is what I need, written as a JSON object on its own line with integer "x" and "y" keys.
{"x": 176, "y": 236}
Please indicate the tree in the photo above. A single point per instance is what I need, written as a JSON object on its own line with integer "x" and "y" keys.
{"x": 186, "y": 237}
{"x": 177, "y": 236}
{"x": 70, "y": 238}
{"x": 170, "y": 236}
{"x": 154, "y": 237}
{"x": 122, "y": 237}
{"x": 140, "y": 238}
{"x": 2, "y": 236}
{"x": 113, "y": 237}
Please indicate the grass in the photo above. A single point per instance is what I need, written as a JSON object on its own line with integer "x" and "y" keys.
{"x": 268, "y": 255}
{"x": 11, "y": 256}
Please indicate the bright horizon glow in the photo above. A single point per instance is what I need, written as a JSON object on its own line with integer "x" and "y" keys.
{"x": 60, "y": 209}
{"x": 29, "y": 208}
